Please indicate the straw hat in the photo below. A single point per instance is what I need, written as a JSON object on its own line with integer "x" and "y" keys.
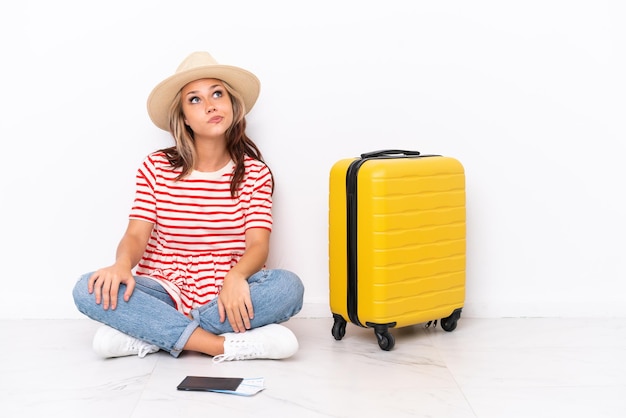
{"x": 196, "y": 66}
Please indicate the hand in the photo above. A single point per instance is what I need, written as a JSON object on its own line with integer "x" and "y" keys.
{"x": 234, "y": 303}
{"x": 105, "y": 283}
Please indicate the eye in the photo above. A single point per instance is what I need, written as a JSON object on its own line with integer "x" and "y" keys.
{"x": 194, "y": 99}
{"x": 217, "y": 94}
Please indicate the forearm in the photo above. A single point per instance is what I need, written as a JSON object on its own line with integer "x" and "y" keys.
{"x": 129, "y": 252}
{"x": 250, "y": 262}
{"x": 133, "y": 244}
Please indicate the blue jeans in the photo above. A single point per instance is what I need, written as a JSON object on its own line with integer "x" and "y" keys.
{"x": 151, "y": 316}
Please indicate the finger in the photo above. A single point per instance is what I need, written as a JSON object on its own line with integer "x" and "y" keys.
{"x": 115, "y": 288}
{"x": 91, "y": 281}
{"x": 97, "y": 290}
{"x": 130, "y": 287}
{"x": 236, "y": 321}
{"x": 221, "y": 310}
{"x": 245, "y": 317}
{"x": 250, "y": 308}
{"x": 106, "y": 298}
{"x": 246, "y": 322}
{"x": 232, "y": 321}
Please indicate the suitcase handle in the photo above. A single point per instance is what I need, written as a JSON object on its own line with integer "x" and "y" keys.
{"x": 380, "y": 153}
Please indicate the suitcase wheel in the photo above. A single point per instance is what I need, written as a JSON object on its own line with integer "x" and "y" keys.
{"x": 384, "y": 337}
{"x": 339, "y": 327}
{"x": 449, "y": 323}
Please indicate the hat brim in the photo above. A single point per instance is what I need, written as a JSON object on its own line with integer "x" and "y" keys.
{"x": 161, "y": 97}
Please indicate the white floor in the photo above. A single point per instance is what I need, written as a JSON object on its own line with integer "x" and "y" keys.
{"x": 486, "y": 368}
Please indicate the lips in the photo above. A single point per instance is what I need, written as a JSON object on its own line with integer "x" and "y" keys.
{"x": 216, "y": 119}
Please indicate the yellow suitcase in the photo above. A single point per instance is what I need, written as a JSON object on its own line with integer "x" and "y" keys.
{"x": 396, "y": 242}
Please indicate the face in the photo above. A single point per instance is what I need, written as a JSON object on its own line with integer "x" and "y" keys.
{"x": 207, "y": 108}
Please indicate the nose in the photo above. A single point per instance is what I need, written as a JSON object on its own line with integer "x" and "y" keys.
{"x": 210, "y": 108}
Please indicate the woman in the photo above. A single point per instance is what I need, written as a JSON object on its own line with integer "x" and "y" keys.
{"x": 189, "y": 272}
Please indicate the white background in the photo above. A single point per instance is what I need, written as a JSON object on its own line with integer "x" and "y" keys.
{"x": 528, "y": 95}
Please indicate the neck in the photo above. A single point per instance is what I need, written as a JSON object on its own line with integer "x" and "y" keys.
{"x": 211, "y": 155}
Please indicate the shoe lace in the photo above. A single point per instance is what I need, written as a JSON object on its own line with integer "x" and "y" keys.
{"x": 142, "y": 348}
{"x": 245, "y": 351}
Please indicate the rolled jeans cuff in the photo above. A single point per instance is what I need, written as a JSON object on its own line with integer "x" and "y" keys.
{"x": 184, "y": 337}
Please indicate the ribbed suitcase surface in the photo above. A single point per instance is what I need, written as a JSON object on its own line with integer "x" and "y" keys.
{"x": 396, "y": 241}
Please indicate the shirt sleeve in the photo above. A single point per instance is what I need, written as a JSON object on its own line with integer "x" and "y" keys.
{"x": 259, "y": 213}
{"x": 144, "y": 205}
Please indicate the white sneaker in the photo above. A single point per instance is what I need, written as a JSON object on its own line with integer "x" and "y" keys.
{"x": 109, "y": 342}
{"x": 269, "y": 342}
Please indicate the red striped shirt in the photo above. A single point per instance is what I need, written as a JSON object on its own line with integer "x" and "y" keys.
{"x": 199, "y": 229}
